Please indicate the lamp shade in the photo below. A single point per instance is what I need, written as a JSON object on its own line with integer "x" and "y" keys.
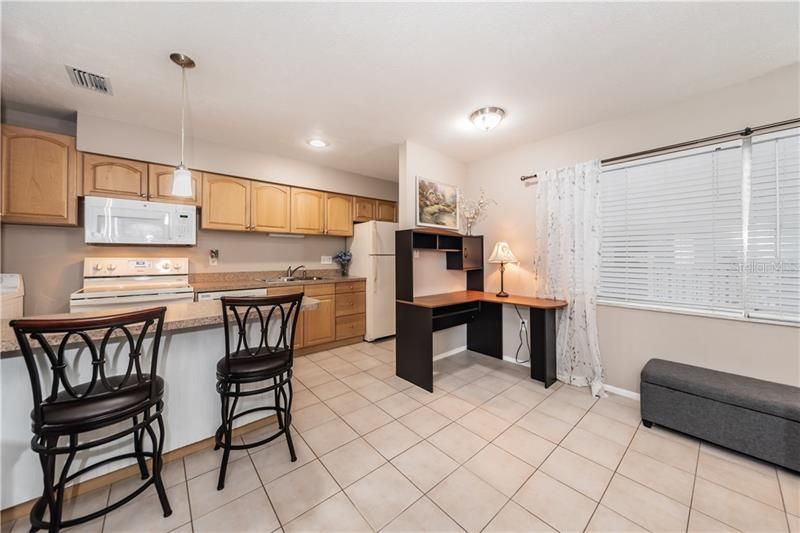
{"x": 502, "y": 254}
{"x": 182, "y": 182}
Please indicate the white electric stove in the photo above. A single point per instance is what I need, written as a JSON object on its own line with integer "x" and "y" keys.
{"x": 119, "y": 282}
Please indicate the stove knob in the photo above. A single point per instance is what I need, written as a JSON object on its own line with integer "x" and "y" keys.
{"x": 111, "y": 267}
{"x": 176, "y": 266}
{"x": 98, "y": 267}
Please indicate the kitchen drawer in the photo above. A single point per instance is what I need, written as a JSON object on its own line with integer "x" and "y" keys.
{"x": 350, "y": 326}
{"x": 350, "y": 303}
{"x": 321, "y": 289}
{"x": 280, "y": 291}
{"x": 351, "y": 286}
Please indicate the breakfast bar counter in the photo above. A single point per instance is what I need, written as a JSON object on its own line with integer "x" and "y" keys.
{"x": 192, "y": 343}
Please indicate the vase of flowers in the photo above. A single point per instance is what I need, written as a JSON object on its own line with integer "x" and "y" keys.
{"x": 474, "y": 210}
{"x": 343, "y": 259}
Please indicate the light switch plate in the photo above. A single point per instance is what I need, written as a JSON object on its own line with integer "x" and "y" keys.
{"x": 326, "y": 260}
{"x": 416, "y": 254}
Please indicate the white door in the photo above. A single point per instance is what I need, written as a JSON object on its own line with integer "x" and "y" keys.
{"x": 380, "y": 298}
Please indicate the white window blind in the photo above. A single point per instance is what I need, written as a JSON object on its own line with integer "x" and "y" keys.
{"x": 673, "y": 230}
{"x": 773, "y": 252}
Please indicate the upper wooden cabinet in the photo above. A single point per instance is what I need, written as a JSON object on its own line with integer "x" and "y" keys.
{"x": 111, "y": 176}
{"x": 385, "y": 211}
{"x": 308, "y": 211}
{"x": 39, "y": 177}
{"x": 159, "y": 180}
{"x": 338, "y": 215}
{"x": 271, "y": 206}
{"x": 363, "y": 209}
{"x": 226, "y": 203}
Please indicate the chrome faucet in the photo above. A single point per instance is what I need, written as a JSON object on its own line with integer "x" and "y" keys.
{"x": 290, "y": 272}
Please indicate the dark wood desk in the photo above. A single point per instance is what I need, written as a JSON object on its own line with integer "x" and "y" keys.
{"x": 482, "y": 312}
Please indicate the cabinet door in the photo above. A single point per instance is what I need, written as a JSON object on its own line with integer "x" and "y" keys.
{"x": 226, "y": 203}
{"x": 386, "y": 211}
{"x": 338, "y": 215}
{"x": 270, "y": 207}
{"x": 159, "y": 183}
{"x": 472, "y": 253}
{"x": 319, "y": 325}
{"x": 364, "y": 209}
{"x": 39, "y": 177}
{"x": 114, "y": 177}
{"x": 308, "y": 211}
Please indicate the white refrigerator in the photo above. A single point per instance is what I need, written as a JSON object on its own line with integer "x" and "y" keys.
{"x": 372, "y": 246}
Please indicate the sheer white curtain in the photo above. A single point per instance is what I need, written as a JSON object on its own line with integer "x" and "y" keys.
{"x": 567, "y": 266}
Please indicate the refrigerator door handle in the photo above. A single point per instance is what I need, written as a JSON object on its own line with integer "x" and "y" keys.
{"x": 374, "y": 275}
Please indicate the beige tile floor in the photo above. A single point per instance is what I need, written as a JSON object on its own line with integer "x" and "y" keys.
{"x": 490, "y": 450}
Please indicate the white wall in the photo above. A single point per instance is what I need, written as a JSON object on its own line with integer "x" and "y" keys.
{"x": 430, "y": 273}
{"x": 109, "y": 137}
{"x": 628, "y": 337}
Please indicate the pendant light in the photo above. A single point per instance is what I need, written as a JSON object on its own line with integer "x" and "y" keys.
{"x": 182, "y": 177}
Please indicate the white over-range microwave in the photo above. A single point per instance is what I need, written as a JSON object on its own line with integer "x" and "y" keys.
{"x": 118, "y": 221}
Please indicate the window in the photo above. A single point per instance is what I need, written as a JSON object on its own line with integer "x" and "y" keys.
{"x": 674, "y": 230}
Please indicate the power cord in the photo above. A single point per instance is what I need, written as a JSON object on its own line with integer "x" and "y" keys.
{"x": 524, "y": 337}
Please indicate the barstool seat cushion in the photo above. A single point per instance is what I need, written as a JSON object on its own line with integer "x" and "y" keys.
{"x": 102, "y": 403}
{"x": 243, "y": 365}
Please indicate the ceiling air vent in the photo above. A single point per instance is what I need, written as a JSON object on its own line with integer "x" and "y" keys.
{"x": 87, "y": 80}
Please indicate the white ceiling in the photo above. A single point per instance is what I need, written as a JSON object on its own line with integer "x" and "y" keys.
{"x": 368, "y": 76}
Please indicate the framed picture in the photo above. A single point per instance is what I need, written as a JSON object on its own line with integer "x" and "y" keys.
{"x": 437, "y": 204}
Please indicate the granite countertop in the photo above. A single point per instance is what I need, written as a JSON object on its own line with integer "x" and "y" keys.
{"x": 201, "y": 283}
{"x": 179, "y": 317}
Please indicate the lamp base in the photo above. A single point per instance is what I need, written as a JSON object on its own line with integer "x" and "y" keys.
{"x": 502, "y": 294}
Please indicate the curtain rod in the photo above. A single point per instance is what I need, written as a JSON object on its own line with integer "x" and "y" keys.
{"x": 673, "y": 147}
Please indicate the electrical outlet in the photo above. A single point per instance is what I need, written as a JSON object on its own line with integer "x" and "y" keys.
{"x": 523, "y": 323}
{"x": 213, "y": 256}
{"x": 326, "y": 260}
{"x": 416, "y": 254}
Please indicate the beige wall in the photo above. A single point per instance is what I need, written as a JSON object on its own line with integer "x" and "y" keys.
{"x": 629, "y": 337}
{"x": 50, "y": 259}
{"x": 136, "y": 142}
{"x": 430, "y": 273}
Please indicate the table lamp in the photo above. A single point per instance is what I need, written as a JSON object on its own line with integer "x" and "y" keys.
{"x": 502, "y": 254}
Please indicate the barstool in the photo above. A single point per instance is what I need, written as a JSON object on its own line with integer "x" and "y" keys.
{"x": 269, "y": 361}
{"x": 69, "y": 410}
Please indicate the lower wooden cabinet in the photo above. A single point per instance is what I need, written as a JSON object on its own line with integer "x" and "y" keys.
{"x": 39, "y": 178}
{"x": 320, "y": 324}
{"x": 348, "y": 327}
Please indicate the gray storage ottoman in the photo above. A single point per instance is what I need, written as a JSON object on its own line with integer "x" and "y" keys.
{"x": 751, "y": 416}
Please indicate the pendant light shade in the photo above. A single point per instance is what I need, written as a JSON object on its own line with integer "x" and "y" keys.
{"x": 182, "y": 182}
{"x": 182, "y": 177}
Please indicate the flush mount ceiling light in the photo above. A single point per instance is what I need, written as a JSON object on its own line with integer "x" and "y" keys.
{"x": 317, "y": 143}
{"x": 487, "y": 118}
{"x": 182, "y": 177}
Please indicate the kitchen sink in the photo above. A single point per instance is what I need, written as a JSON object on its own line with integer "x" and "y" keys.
{"x": 292, "y": 279}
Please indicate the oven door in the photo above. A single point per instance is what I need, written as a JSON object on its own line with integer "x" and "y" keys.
{"x": 118, "y": 221}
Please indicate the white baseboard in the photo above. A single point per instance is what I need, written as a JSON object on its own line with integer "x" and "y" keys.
{"x": 625, "y": 393}
{"x": 448, "y": 353}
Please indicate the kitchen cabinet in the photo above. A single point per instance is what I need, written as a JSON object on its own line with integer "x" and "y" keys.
{"x": 308, "y": 211}
{"x": 226, "y": 203}
{"x": 114, "y": 177}
{"x": 271, "y": 205}
{"x": 363, "y": 209}
{"x": 319, "y": 325}
{"x": 338, "y": 215}
{"x": 351, "y": 303}
{"x": 39, "y": 177}
{"x": 385, "y": 211}
{"x": 159, "y": 185}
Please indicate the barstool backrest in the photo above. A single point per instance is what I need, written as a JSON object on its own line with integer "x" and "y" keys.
{"x": 279, "y": 312}
{"x": 55, "y": 335}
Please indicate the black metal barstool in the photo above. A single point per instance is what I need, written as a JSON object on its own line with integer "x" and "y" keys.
{"x": 133, "y": 398}
{"x": 269, "y": 361}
